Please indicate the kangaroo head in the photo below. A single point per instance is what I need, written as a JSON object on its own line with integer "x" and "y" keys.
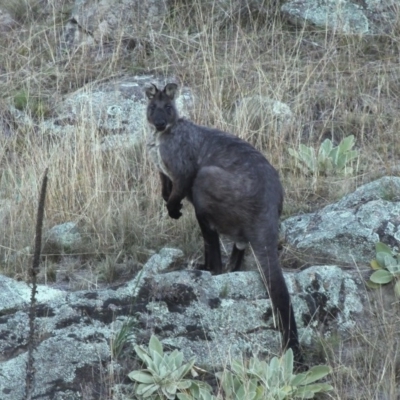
{"x": 161, "y": 109}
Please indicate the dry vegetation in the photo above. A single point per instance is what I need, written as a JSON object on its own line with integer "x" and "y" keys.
{"x": 335, "y": 86}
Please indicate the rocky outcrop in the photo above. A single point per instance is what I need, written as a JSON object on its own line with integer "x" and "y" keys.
{"x": 115, "y": 108}
{"x": 210, "y": 318}
{"x": 345, "y": 17}
{"x": 346, "y": 232}
{"x": 105, "y": 25}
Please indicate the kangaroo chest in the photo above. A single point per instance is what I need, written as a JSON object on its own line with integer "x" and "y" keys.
{"x": 153, "y": 148}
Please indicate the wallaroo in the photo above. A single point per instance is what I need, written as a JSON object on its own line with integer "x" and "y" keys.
{"x": 235, "y": 191}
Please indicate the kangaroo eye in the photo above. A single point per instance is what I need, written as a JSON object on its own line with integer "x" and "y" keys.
{"x": 168, "y": 109}
{"x": 152, "y": 107}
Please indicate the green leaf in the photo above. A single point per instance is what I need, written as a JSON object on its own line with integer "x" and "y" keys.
{"x": 286, "y": 390}
{"x": 342, "y": 155}
{"x": 257, "y": 368}
{"x": 142, "y": 353}
{"x": 141, "y": 376}
{"x": 352, "y": 155}
{"x": 340, "y": 162}
{"x": 334, "y": 155}
{"x": 155, "y": 345}
{"x": 383, "y": 248}
{"x": 382, "y": 277}
{"x": 164, "y": 371}
{"x": 183, "y": 370}
{"x": 176, "y": 358}
{"x": 227, "y": 382}
{"x": 303, "y": 393}
{"x": 195, "y": 390}
{"x": 170, "y": 388}
{"x": 314, "y": 388}
{"x": 274, "y": 364}
{"x": 375, "y": 265}
{"x": 238, "y": 367}
{"x": 325, "y": 149}
{"x": 169, "y": 396}
{"x": 397, "y": 289}
{"x": 184, "y": 396}
{"x": 159, "y": 361}
{"x": 146, "y": 390}
{"x": 346, "y": 144}
{"x": 316, "y": 373}
{"x": 385, "y": 259}
{"x": 372, "y": 285}
{"x": 394, "y": 268}
{"x": 241, "y": 392}
{"x": 307, "y": 156}
{"x": 287, "y": 365}
{"x": 260, "y": 393}
{"x": 298, "y": 379}
{"x": 184, "y": 384}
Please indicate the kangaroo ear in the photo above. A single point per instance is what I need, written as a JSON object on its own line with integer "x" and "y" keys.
{"x": 151, "y": 91}
{"x": 171, "y": 89}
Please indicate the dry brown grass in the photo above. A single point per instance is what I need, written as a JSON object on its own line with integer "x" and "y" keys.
{"x": 335, "y": 86}
{"x": 367, "y": 364}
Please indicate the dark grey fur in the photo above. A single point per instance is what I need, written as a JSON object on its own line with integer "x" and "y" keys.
{"x": 234, "y": 190}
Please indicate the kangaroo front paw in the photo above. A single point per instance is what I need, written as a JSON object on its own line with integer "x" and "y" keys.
{"x": 174, "y": 210}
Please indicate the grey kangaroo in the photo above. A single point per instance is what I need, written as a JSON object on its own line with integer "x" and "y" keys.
{"x": 234, "y": 190}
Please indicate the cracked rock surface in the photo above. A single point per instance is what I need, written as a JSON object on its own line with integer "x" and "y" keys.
{"x": 205, "y": 316}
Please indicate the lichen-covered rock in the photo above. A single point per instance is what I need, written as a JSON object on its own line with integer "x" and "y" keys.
{"x": 209, "y": 317}
{"x": 63, "y": 238}
{"x": 346, "y": 232}
{"x": 107, "y": 25}
{"x": 343, "y": 16}
{"x": 116, "y": 109}
{"x": 15, "y": 295}
{"x": 74, "y": 333}
{"x": 260, "y": 113}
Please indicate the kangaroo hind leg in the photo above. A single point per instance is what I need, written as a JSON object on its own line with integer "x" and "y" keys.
{"x": 236, "y": 258}
{"x": 212, "y": 251}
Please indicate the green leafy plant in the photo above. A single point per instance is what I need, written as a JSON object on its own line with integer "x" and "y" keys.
{"x": 328, "y": 160}
{"x": 198, "y": 391}
{"x": 164, "y": 377}
{"x": 273, "y": 381}
{"x": 387, "y": 268}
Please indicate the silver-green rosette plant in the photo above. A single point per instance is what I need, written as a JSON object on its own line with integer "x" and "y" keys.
{"x": 329, "y": 159}
{"x": 164, "y": 377}
{"x": 387, "y": 268}
{"x": 274, "y": 381}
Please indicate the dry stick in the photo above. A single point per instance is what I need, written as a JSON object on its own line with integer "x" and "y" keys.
{"x": 30, "y": 369}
